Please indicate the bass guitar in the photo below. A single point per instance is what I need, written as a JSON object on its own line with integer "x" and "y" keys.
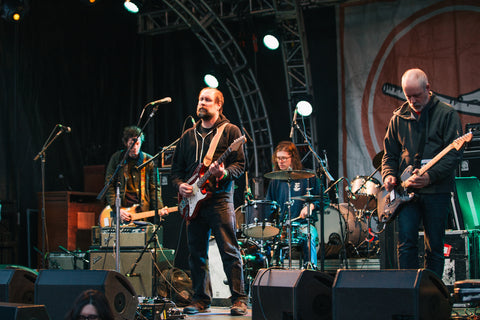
{"x": 389, "y": 203}
{"x": 189, "y": 206}
{"x": 106, "y": 219}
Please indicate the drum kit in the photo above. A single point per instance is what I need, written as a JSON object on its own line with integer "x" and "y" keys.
{"x": 350, "y": 227}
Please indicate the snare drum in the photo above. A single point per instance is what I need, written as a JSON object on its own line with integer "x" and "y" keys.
{"x": 260, "y": 219}
{"x": 364, "y": 193}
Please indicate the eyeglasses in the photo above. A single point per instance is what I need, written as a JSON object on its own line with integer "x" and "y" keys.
{"x": 89, "y": 317}
{"x": 283, "y": 158}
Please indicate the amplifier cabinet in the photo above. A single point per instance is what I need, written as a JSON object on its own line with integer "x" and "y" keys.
{"x": 461, "y": 255}
{"x": 130, "y": 237}
{"x": 142, "y": 276}
{"x": 63, "y": 261}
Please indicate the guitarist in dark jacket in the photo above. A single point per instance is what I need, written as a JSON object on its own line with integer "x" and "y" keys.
{"x": 215, "y": 214}
{"x": 418, "y": 130}
{"x": 137, "y": 187}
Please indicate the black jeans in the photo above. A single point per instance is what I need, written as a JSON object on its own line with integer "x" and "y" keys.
{"x": 433, "y": 209}
{"x": 218, "y": 217}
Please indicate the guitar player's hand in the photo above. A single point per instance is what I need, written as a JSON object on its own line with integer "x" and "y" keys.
{"x": 416, "y": 181}
{"x": 217, "y": 169}
{"x": 125, "y": 215}
{"x": 389, "y": 183}
{"x": 185, "y": 189}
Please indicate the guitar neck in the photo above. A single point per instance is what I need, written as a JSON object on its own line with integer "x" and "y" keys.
{"x": 151, "y": 213}
{"x": 207, "y": 174}
{"x": 435, "y": 159}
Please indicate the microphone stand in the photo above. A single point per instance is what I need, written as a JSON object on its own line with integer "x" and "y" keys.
{"x": 157, "y": 219}
{"x": 42, "y": 156}
{"x": 322, "y": 210}
{"x": 118, "y": 201}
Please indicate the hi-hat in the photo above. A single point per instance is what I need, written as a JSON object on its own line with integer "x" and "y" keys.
{"x": 308, "y": 198}
{"x": 289, "y": 175}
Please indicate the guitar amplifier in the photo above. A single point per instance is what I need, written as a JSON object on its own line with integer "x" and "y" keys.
{"x": 130, "y": 237}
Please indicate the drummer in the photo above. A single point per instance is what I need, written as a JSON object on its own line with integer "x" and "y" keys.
{"x": 286, "y": 157}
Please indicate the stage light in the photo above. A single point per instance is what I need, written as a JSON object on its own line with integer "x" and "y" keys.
{"x": 14, "y": 10}
{"x": 133, "y": 6}
{"x": 304, "y": 108}
{"x": 210, "y": 80}
{"x": 271, "y": 42}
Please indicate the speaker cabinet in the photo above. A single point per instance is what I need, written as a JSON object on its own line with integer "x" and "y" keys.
{"x": 21, "y": 311}
{"x": 58, "y": 289}
{"x": 291, "y": 294}
{"x": 389, "y": 294}
{"x": 142, "y": 276}
{"x": 17, "y": 285}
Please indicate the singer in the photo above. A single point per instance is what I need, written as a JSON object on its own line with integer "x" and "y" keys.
{"x": 136, "y": 187}
{"x": 286, "y": 157}
{"x": 216, "y": 214}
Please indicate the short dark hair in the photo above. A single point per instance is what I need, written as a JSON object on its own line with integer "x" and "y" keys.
{"x": 132, "y": 132}
{"x": 95, "y": 298}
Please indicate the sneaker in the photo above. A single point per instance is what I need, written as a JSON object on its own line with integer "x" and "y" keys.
{"x": 196, "y": 307}
{"x": 239, "y": 308}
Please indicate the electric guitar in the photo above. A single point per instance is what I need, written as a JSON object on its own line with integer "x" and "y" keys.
{"x": 106, "y": 220}
{"x": 189, "y": 206}
{"x": 388, "y": 203}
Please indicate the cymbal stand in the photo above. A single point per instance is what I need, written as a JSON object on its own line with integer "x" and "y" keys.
{"x": 289, "y": 225}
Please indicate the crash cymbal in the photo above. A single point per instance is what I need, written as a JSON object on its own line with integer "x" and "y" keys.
{"x": 308, "y": 198}
{"x": 289, "y": 175}
{"x": 377, "y": 160}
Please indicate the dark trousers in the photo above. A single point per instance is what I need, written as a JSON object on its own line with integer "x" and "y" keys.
{"x": 433, "y": 210}
{"x": 217, "y": 217}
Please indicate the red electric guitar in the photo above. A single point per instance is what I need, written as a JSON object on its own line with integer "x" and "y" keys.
{"x": 189, "y": 206}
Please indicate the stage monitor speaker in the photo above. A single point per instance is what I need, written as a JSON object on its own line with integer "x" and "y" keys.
{"x": 17, "y": 285}
{"x": 58, "y": 289}
{"x": 390, "y": 294}
{"x": 291, "y": 294}
{"x": 468, "y": 189}
{"x": 21, "y": 311}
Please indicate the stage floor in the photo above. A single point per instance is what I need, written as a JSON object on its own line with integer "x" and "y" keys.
{"x": 219, "y": 313}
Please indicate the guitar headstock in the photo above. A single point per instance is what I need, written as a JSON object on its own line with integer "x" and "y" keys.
{"x": 238, "y": 142}
{"x": 458, "y": 143}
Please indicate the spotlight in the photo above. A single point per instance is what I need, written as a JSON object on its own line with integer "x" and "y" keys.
{"x": 14, "y": 10}
{"x": 271, "y": 42}
{"x": 210, "y": 80}
{"x": 304, "y": 108}
{"x": 133, "y": 6}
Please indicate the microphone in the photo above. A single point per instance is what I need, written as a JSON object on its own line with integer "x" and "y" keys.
{"x": 64, "y": 128}
{"x": 161, "y": 101}
{"x": 294, "y": 121}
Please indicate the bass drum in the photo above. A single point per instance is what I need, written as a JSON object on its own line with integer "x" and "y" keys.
{"x": 335, "y": 230}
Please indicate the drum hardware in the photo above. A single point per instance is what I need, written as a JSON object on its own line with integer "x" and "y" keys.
{"x": 288, "y": 176}
{"x": 308, "y": 198}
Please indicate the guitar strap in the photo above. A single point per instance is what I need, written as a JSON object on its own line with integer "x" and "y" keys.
{"x": 207, "y": 160}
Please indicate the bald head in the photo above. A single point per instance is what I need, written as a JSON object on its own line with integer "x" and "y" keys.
{"x": 416, "y": 88}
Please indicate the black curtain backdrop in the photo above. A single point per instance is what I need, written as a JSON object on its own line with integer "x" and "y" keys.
{"x": 86, "y": 67}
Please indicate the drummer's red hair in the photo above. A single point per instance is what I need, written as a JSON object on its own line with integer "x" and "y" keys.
{"x": 289, "y": 147}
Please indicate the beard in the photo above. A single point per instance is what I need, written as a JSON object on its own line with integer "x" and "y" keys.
{"x": 204, "y": 114}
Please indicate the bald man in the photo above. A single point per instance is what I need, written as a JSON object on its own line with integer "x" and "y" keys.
{"x": 418, "y": 130}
